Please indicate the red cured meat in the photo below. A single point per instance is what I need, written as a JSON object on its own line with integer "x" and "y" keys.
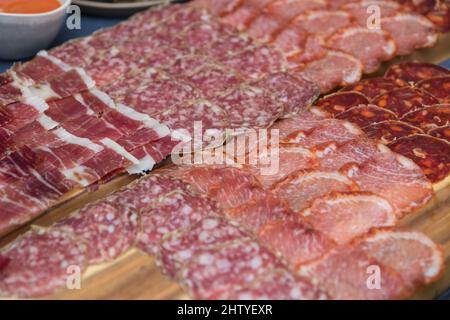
{"x": 294, "y": 241}
{"x": 416, "y": 258}
{"x": 370, "y": 46}
{"x": 256, "y": 213}
{"x": 339, "y": 102}
{"x": 177, "y": 249}
{"x": 313, "y": 49}
{"x": 226, "y": 268}
{"x": 242, "y": 16}
{"x": 359, "y": 10}
{"x": 438, "y": 87}
{"x": 305, "y": 121}
{"x": 301, "y": 188}
{"x": 375, "y": 86}
{"x": 172, "y": 212}
{"x": 228, "y": 45}
{"x": 322, "y": 22}
{"x": 335, "y": 69}
{"x": 364, "y": 115}
{"x": 389, "y": 131}
{"x": 410, "y": 32}
{"x": 429, "y": 117}
{"x": 74, "y": 53}
{"x": 432, "y": 155}
{"x": 288, "y": 9}
{"x": 342, "y": 217}
{"x": 415, "y": 71}
{"x": 343, "y": 274}
{"x": 291, "y": 40}
{"x": 39, "y": 262}
{"x": 442, "y": 133}
{"x": 279, "y": 284}
{"x": 219, "y": 7}
{"x": 201, "y": 34}
{"x": 404, "y": 100}
{"x": 265, "y": 26}
{"x": 39, "y": 69}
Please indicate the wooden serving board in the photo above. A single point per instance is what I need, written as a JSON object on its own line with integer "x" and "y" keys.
{"x": 135, "y": 275}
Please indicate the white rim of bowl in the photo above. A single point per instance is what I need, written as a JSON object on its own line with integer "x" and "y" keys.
{"x": 63, "y": 6}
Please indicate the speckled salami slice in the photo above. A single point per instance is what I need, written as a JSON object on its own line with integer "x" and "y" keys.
{"x": 415, "y": 71}
{"x": 389, "y": 131}
{"x": 344, "y": 216}
{"x": 201, "y": 34}
{"x": 228, "y": 45}
{"x": 226, "y": 268}
{"x": 242, "y": 16}
{"x": 404, "y": 100}
{"x": 438, "y": 87}
{"x": 429, "y": 117}
{"x": 174, "y": 211}
{"x": 442, "y": 133}
{"x": 375, "y": 86}
{"x": 364, "y": 115}
{"x": 180, "y": 247}
{"x": 296, "y": 242}
{"x": 322, "y": 22}
{"x": 301, "y": 188}
{"x": 265, "y": 26}
{"x": 313, "y": 49}
{"x": 429, "y": 153}
{"x": 339, "y": 102}
{"x": 38, "y": 262}
{"x": 291, "y": 40}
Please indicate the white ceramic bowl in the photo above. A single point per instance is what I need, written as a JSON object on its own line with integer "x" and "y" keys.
{"x": 23, "y": 35}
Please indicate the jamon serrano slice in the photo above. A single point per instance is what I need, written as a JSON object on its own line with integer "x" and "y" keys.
{"x": 373, "y": 87}
{"x": 389, "y": 131}
{"x": 415, "y": 71}
{"x": 302, "y": 187}
{"x": 344, "y": 216}
{"x": 364, "y": 115}
{"x": 429, "y": 117}
{"x": 339, "y": 102}
{"x": 295, "y": 241}
{"x": 305, "y": 121}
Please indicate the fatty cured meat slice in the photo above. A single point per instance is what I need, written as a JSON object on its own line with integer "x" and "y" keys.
{"x": 301, "y": 188}
{"x": 219, "y": 7}
{"x": 404, "y": 100}
{"x": 432, "y": 155}
{"x": 265, "y": 26}
{"x": 225, "y": 268}
{"x": 339, "y": 102}
{"x": 172, "y": 212}
{"x": 343, "y": 274}
{"x": 335, "y": 69}
{"x": 242, "y": 16}
{"x": 312, "y": 48}
{"x": 75, "y": 53}
{"x": 429, "y": 117}
{"x": 364, "y": 115}
{"x": 291, "y": 40}
{"x": 257, "y": 212}
{"x": 39, "y": 262}
{"x": 438, "y": 87}
{"x": 344, "y": 216}
{"x": 293, "y": 91}
{"x": 363, "y": 11}
{"x": 413, "y": 72}
{"x": 178, "y": 248}
{"x": 415, "y": 257}
{"x": 295, "y": 241}
{"x": 410, "y": 31}
{"x": 389, "y": 131}
{"x": 394, "y": 177}
{"x": 288, "y": 9}
{"x": 279, "y": 284}
{"x": 370, "y": 46}
{"x": 305, "y": 121}
{"x": 249, "y": 106}
{"x": 322, "y": 22}
{"x": 107, "y": 230}
{"x": 39, "y": 69}
{"x": 375, "y": 86}
{"x": 442, "y": 133}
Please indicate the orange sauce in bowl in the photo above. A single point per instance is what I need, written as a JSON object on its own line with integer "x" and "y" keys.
{"x": 28, "y": 6}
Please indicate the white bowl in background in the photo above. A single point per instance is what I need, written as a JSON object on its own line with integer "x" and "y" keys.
{"x": 23, "y": 35}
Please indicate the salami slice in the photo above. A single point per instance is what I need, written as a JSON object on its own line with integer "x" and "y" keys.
{"x": 438, "y": 87}
{"x": 322, "y": 22}
{"x": 175, "y": 211}
{"x": 375, "y": 86}
{"x": 288, "y": 9}
{"x": 339, "y": 102}
{"x": 39, "y": 261}
{"x": 219, "y": 7}
{"x": 294, "y": 241}
{"x": 178, "y": 248}
{"x": 410, "y": 31}
{"x": 226, "y": 268}
{"x": 256, "y": 213}
{"x": 343, "y": 274}
{"x": 389, "y": 131}
{"x": 344, "y": 216}
{"x": 228, "y": 45}
{"x": 301, "y": 188}
{"x": 415, "y": 257}
{"x": 265, "y": 26}
{"x": 429, "y": 153}
{"x": 363, "y": 11}
{"x": 429, "y": 117}
{"x": 279, "y": 284}
{"x": 313, "y": 48}
{"x": 370, "y": 46}
{"x": 396, "y": 178}
{"x": 364, "y": 115}
{"x": 404, "y": 100}
{"x": 442, "y": 133}
{"x": 415, "y": 71}
{"x": 242, "y": 16}
{"x": 107, "y": 230}
{"x": 291, "y": 40}
{"x": 335, "y": 69}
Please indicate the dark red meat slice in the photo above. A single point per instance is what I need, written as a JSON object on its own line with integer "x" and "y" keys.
{"x": 438, "y": 87}
{"x": 364, "y": 115}
{"x": 375, "y": 86}
{"x": 429, "y": 117}
{"x": 442, "y": 133}
{"x": 389, "y": 131}
{"x": 415, "y": 71}
{"x": 339, "y": 102}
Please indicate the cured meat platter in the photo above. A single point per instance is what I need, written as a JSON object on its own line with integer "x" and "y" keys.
{"x": 359, "y": 160}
